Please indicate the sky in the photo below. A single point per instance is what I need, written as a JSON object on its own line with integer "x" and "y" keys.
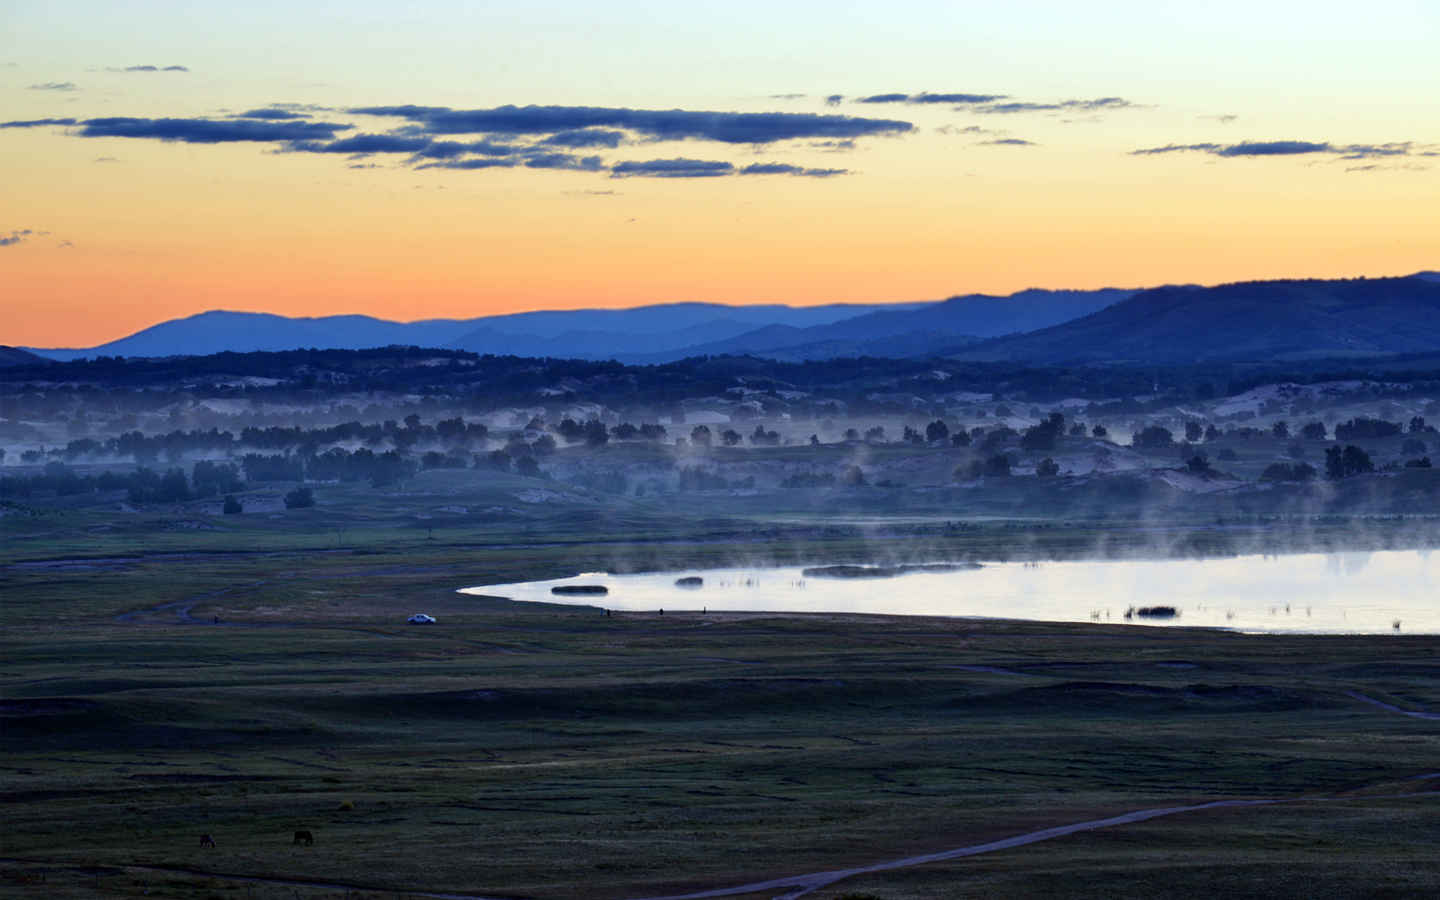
{"x": 468, "y": 159}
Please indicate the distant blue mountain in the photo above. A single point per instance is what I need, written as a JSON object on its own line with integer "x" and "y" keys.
{"x": 914, "y": 331}
{"x": 585, "y": 333}
{"x": 1246, "y": 321}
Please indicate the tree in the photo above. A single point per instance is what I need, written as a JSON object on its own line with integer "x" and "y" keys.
{"x": 232, "y": 506}
{"x": 1288, "y": 472}
{"x": 173, "y": 487}
{"x": 299, "y": 498}
{"x": 937, "y": 431}
{"x": 1198, "y": 465}
{"x": 1346, "y": 463}
{"x": 730, "y": 437}
{"x": 1100, "y": 431}
{"x": 1193, "y": 431}
{"x": 528, "y": 467}
{"x": 1281, "y": 429}
{"x": 496, "y": 459}
{"x": 596, "y": 435}
{"x": 1361, "y": 427}
{"x": 700, "y": 435}
{"x": 1047, "y": 468}
{"x": 960, "y": 438}
{"x": 1211, "y": 432}
{"x": 853, "y": 477}
{"x": 1313, "y": 431}
{"x": 998, "y": 465}
{"x": 1155, "y": 437}
{"x": 1045, "y": 435}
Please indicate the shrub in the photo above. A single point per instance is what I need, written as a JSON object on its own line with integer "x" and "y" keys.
{"x": 300, "y": 498}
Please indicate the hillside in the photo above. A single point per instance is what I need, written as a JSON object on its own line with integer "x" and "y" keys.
{"x": 13, "y": 356}
{"x": 1268, "y": 320}
{"x": 921, "y": 331}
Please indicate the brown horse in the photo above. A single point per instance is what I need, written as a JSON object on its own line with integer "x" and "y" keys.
{"x": 207, "y": 841}
{"x": 304, "y": 837}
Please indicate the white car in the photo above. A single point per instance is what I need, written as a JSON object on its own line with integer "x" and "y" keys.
{"x": 421, "y": 619}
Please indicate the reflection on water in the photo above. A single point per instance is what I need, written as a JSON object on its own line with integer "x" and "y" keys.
{"x": 1319, "y": 593}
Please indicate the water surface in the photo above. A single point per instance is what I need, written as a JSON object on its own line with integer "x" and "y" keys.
{"x": 1332, "y": 593}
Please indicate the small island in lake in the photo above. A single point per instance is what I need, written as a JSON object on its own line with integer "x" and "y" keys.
{"x": 884, "y": 571}
{"x": 1152, "y": 612}
{"x": 690, "y": 581}
{"x": 580, "y": 589}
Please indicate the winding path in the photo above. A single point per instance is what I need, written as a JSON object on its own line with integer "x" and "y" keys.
{"x": 799, "y": 885}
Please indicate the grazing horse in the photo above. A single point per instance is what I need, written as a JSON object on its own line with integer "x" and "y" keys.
{"x": 207, "y": 841}
{"x": 304, "y": 837}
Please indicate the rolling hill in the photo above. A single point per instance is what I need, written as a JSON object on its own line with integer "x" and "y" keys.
{"x": 1261, "y": 320}
{"x": 13, "y": 356}
{"x": 918, "y": 331}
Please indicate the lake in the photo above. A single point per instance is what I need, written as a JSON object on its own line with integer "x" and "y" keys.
{"x": 1324, "y": 593}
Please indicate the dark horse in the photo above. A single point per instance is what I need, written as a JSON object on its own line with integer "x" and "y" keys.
{"x": 304, "y": 837}
{"x": 206, "y": 840}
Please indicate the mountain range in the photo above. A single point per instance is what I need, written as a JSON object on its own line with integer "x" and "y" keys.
{"x": 1171, "y": 324}
{"x": 646, "y": 334}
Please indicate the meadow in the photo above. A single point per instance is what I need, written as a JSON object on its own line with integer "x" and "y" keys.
{"x": 249, "y": 678}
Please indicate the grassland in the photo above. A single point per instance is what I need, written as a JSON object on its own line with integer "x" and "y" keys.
{"x": 168, "y": 674}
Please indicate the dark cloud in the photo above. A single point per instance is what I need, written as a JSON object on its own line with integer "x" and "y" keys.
{"x": 364, "y": 143}
{"x": 786, "y": 169}
{"x": 1375, "y": 151}
{"x": 471, "y": 164}
{"x": 16, "y": 236}
{"x": 1293, "y": 148}
{"x": 1223, "y": 118}
{"x": 106, "y": 159}
{"x": 209, "y": 131}
{"x": 956, "y": 98}
{"x": 54, "y": 86}
{"x": 968, "y": 129}
{"x": 274, "y": 113}
{"x": 564, "y": 161}
{"x": 928, "y": 97}
{"x": 36, "y": 123}
{"x": 787, "y": 96}
{"x": 528, "y": 137}
{"x": 1272, "y": 148}
{"x": 586, "y": 137}
{"x": 454, "y": 149}
{"x": 1097, "y": 105}
{"x": 672, "y": 168}
{"x": 1177, "y": 148}
{"x": 674, "y": 124}
{"x": 152, "y": 69}
{"x": 1009, "y": 142}
{"x": 834, "y": 99}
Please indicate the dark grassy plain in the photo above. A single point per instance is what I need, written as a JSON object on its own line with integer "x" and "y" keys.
{"x": 552, "y": 751}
